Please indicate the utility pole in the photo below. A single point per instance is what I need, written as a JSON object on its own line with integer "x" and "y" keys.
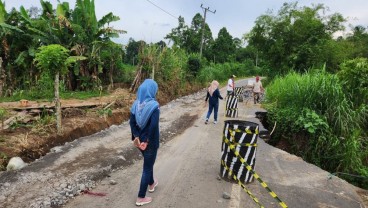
{"x": 203, "y": 25}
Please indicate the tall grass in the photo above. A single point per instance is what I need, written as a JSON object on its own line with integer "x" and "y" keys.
{"x": 320, "y": 92}
{"x": 314, "y": 113}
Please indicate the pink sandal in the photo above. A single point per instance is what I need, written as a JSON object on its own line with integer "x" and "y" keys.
{"x": 153, "y": 186}
{"x": 143, "y": 201}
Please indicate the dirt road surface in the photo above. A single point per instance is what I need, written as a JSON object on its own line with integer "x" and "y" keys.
{"x": 187, "y": 169}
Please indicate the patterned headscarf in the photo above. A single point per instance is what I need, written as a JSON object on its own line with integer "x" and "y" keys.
{"x": 213, "y": 87}
{"x": 145, "y": 103}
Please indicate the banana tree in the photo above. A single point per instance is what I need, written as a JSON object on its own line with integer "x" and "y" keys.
{"x": 95, "y": 34}
{"x": 10, "y": 47}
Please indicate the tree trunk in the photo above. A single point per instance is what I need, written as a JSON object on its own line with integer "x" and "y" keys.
{"x": 111, "y": 86}
{"x": 57, "y": 105}
{"x": 2, "y": 76}
{"x": 153, "y": 72}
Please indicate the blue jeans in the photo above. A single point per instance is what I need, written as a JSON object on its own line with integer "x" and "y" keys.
{"x": 149, "y": 156}
{"x": 212, "y": 107}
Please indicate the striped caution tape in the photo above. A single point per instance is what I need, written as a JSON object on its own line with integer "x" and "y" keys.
{"x": 248, "y": 131}
{"x": 239, "y": 144}
{"x": 242, "y": 185}
{"x": 255, "y": 175}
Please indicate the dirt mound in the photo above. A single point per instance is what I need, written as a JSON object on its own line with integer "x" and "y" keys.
{"x": 36, "y": 137}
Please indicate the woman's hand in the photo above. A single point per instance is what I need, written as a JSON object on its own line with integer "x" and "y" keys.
{"x": 143, "y": 145}
{"x": 136, "y": 142}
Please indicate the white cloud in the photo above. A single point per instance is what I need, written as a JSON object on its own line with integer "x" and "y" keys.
{"x": 142, "y": 20}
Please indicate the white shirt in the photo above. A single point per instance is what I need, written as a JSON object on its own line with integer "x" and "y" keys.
{"x": 257, "y": 86}
{"x": 230, "y": 85}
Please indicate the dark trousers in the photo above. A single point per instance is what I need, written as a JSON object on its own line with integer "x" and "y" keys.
{"x": 149, "y": 156}
{"x": 212, "y": 107}
{"x": 256, "y": 97}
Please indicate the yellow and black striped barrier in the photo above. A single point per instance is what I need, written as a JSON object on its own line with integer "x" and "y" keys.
{"x": 240, "y": 138}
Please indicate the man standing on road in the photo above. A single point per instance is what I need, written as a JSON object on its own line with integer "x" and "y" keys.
{"x": 231, "y": 85}
{"x": 257, "y": 89}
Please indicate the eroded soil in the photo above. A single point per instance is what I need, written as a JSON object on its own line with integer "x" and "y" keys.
{"x": 35, "y": 138}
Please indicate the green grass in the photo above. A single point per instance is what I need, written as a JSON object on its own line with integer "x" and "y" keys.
{"x": 314, "y": 113}
{"x": 49, "y": 96}
{"x": 81, "y": 94}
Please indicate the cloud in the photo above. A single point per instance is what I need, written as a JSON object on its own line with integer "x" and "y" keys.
{"x": 142, "y": 19}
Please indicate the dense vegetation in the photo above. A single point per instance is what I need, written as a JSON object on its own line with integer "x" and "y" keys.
{"x": 318, "y": 90}
{"x": 317, "y": 82}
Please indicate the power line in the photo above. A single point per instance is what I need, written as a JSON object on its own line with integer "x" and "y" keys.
{"x": 161, "y": 9}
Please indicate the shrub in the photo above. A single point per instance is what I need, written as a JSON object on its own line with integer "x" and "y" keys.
{"x": 313, "y": 111}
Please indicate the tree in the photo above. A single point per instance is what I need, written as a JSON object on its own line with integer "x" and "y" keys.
{"x": 54, "y": 59}
{"x": 132, "y": 51}
{"x": 194, "y": 35}
{"x": 224, "y": 47}
{"x": 189, "y": 38}
{"x": 296, "y": 38}
{"x": 354, "y": 77}
{"x": 359, "y": 40}
{"x": 178, "y": 34}
{"x": 13, "y": 49}
{"x": 111, "y": 53}
{"x": 91, "y": 35}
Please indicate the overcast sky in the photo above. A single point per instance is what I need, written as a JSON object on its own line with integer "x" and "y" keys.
{"x": 145, "y": 21}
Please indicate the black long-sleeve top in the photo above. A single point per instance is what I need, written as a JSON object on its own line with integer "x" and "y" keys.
{"x": 150, "y": 132}
{"x": 214, "y": 99}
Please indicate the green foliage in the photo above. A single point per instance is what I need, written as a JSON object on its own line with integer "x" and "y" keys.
{"x": 132, "y": 51}
{"x": 313, "y": 113}
{"x": 320, "y": 92}
{"x": 82, "y": 95}
{"x": 194, "y": 63}
{"x": 169, "y": 65}
{"x": 224, "y": 48}
{"x": 2, "y": 12}
{"x": 221, "y": 72}
{"x": 177, "y": 35}
{"x": 125, "y": 73}
{"x": 37, "y": 95}
{"x": 189, "y": 38}
{"x": 45, "y": 84}
{"x": 312, "y": 122}
{"x": 285, "y": 119}
{"x": 296, "y": 38}
{"x": 358, "y": 42}
{"x": 3, "y": 114}
{"x": 105, "y": 112}
{"x": 53, "y": 58}
{"x": 43, "y": 124}
{"x": 354, "y": 77}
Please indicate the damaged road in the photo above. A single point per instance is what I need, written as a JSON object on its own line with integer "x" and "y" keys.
{"x": 77, "y": 166}
{"x": 187, "y": 168}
